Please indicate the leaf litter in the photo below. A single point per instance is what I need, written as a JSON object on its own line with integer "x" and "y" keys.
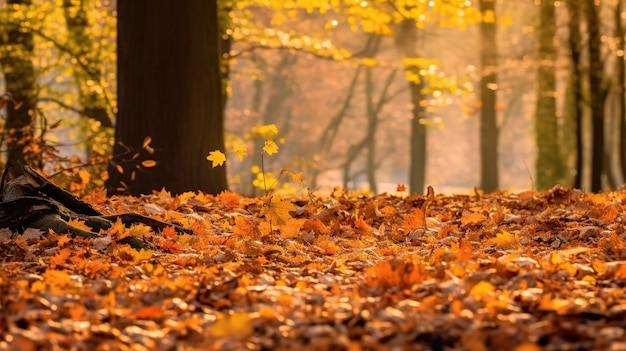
{"x": 527, "y": 271}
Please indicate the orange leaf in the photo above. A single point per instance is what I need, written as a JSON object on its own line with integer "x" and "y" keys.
{"x": 472, "y": 218}
{"x": 147, "y": 313}
{"x": 148, "y": 163}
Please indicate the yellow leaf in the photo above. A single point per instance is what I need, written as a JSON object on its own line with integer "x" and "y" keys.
{"x": 270, "y": 147}
{"x": 277, "y": 210}
{"x": 241, "y": 151}
{"x": 489, "y": 17}
{"x": 482, "y": 289}
{"x": 506, "y": 240}
{"x": 369, "y": 62}
{"x": 139, "y": 230}
{"x": 237, "y": 324}
{"x": 84, "y": 175}
{"x": 297, "y": 177}
{"x": 217, "y": 157}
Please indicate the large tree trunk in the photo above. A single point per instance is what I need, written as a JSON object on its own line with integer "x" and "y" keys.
{"x": 549, "y": 165}
{"x": 170, "y": 89}
{"x": 488, "y": 86}
{"x": 597, "y": 94}
{"x": 87, "y": 76}
{"x": 575, "y": 42}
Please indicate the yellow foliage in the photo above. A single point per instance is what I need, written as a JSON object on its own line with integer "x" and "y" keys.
{"x": 270, "y": 147}
{"x": 217, "y": 158}
{"x": 277, "y": 210}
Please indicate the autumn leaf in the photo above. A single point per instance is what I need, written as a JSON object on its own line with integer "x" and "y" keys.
{"x": 147, "y": 313}
{"x": 506, "y": 240}
{"x": 472, "y": 218}
{"x": 241, "y": 151}
{"x": 237, "y": 324}
{"x": 270, "y": 147}
{"x": 217, "y": 158}
{"x": 277, "y": 210}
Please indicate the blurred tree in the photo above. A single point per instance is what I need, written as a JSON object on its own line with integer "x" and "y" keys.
{"x": 598, "y": 93}
{"x": 406, "y": 40}
{"x": 91, "y": 98}
{"x": 549, "y": 165}
{"x": 170, "y": 89}
{"x": 575, "y": 96}
{"x": 488, "y": 88}
{"x": 16, "y": 54}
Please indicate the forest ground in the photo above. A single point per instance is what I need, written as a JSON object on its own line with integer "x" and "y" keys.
{"x": 527, "y": 271}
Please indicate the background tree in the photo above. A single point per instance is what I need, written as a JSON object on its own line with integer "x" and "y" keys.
{"x": 598, "y": 93}
{"x": 91, "y": 99}
{"x": 169, "y": 89}
{"x": 549, "y": 165}
{"x": 16, "y": 57}
{"x": 488, "y": 87}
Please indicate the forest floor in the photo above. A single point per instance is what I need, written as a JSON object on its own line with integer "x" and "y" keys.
{"x": 520, "y": 272}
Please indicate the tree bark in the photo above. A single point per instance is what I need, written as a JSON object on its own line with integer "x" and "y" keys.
{"x": 575, "y": 42}
{"x": 19, "y": 73}
{"x": 549, "y": 167}
{"x": 597, "y": 94}
{"x": 488, "y": 87}
{"x": 620, "y": 68}
{"x": 170, "y": 89}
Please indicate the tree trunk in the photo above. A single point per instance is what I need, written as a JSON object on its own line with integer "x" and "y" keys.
{"x": 597, "y": 94}
{"x": 370, "y": 139}
{"x": 170, "y": 89}
{"x": 488, "y": 86}
{"x": 549, "y": 165}
{"x": 406, "y": 40}
{"x": 417, "y": 175}
{"x": 16, "y": 59}
{"x": 620, "y": 68}
{"x": 575, "y": 42}
{"x": 92, "y": 103}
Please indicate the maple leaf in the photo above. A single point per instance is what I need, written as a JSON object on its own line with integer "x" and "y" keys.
{"x": 277, "y": 210}
{"x": 217, "y": 158}
{"x": 60, "y": 257}
{"x": 472, "y": 218}
{"x": 241, "y": 151}
{"x": 506, "y": 240}
{"x": 270, "y": 147}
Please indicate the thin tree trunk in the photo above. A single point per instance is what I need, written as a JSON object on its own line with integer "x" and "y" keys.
{"x": 488, "y": 86}
{"x": 406, "y": 40}
{"x": 597, "y": 94}
{"x": 417, "y": 172}
{"x": 549, "y": 165}
{"x": 575, "y": 41}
